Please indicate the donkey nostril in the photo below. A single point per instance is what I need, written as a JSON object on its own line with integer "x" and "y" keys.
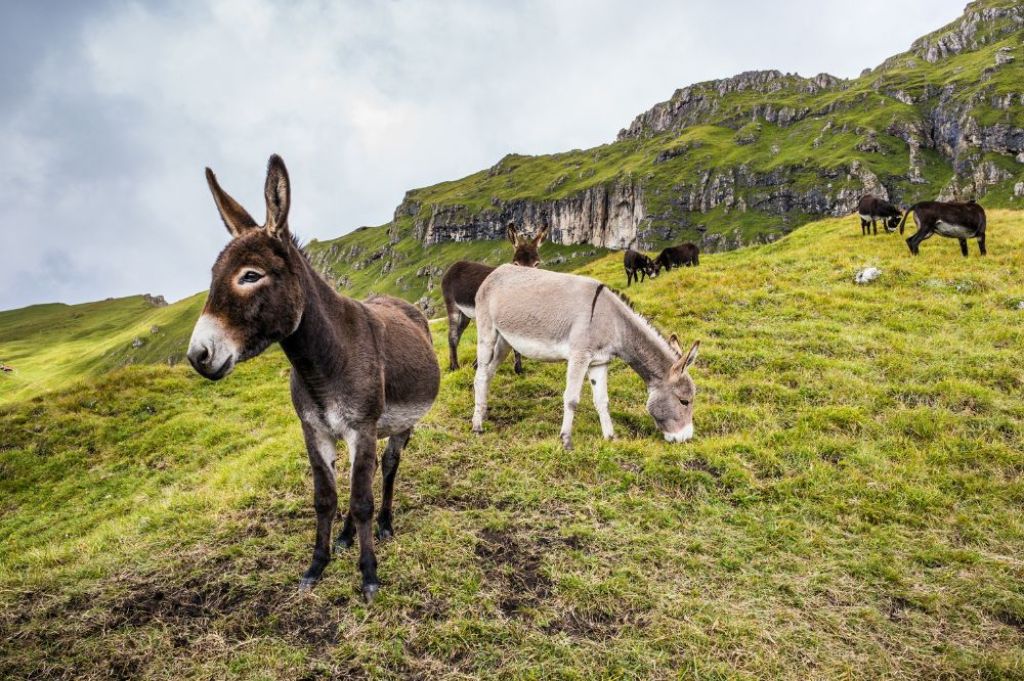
{"x": 202, "y": 355}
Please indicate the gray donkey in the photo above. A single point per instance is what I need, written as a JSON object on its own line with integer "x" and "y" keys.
{"x": 555, "y": 317}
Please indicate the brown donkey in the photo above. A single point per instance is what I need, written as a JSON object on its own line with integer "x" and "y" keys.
{"x": 360, "y": 370}
{"x": 462, "y": 280}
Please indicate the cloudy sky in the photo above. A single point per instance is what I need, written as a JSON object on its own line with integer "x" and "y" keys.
{"x": 110, "y": 110}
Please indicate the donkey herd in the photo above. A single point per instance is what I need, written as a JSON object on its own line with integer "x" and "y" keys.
{"x": 366, "y": 370}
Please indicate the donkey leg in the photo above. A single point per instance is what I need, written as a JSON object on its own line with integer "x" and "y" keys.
{"x": 321, "y": 451}
{"x": 457, "y": 323}
{"x": 575, "y": 373}
{"x": 963, "y": 246}
{"x": 364, "y": 462}
{"x": 486, "y": 340}
{"x": 981, "y": 245}
{"x": 485, "y": 372}
{"x": 389, "y": 471}
{"x": 518, "y": 366}
{"x": 598, "y": 374}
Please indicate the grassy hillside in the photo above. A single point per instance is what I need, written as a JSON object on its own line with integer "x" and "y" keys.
{"x": 50, "y": 345}
{"x": 849, "y": 508}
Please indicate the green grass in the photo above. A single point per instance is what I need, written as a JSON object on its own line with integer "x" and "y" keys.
{"x": 849, "y": 508}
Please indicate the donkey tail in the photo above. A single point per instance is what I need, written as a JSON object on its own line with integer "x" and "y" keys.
{"x": 907, "y": 215}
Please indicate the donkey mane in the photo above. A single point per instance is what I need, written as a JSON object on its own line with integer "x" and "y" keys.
{"x": 642, "y": 318}
{"x": 300, "y": 247}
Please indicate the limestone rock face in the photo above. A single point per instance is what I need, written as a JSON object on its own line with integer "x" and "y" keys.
{"x": 604, "y": 215}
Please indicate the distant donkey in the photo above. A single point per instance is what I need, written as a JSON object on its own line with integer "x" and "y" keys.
{"x": 871, "y": 209}
{"x": 558, "y": 317}
{"x": 462, "y": 280}
{"x": 960, "y": 221}
{"x": 360, "y": 370}
{"x": 638, "y": 266}
{"x": 678, "y": 256}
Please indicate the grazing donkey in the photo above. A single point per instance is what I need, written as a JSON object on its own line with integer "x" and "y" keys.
{"x": 678, "y": 256}
{"x": 871, "y": 209}
{"x": 360, "y": 370}
{"x": 554, "y": 317}
{"x": 638, "y": 266}
{"x": 961, "y": 221}
{"x": 462, "y": 280}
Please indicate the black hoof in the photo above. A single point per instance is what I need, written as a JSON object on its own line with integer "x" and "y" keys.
{"x": 307, "y": 583}
{"x": 385, "y": 533}
{"x": 369, "y": 592}
{"x": 343, "y": 542}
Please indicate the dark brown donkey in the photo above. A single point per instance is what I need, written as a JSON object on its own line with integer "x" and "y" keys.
{"x": 461, "y": 281}
{"x": 960, "y": 221}
{"x": 360, "y": 370}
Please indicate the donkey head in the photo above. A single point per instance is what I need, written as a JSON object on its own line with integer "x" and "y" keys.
{"x": 526, "y": 249}
{"x": 670, "y": 400}
{"x": 256, "y": 295}
{"x": 892, "y": 222}
{"x": 651, "y": 267}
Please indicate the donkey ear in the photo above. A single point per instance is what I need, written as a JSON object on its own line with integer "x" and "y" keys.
{"x": 673, "y": 342}
{"x": 278, "y": 195}
{"x": 539, "y": 239}
{"x": 234, "y": 216}
{"x": 513, "y": 236}
{"x": 691, "y": 357}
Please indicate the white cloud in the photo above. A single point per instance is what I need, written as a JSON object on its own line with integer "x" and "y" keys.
{"x": 104, "y": 146}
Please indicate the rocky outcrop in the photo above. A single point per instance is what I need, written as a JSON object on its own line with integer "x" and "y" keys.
{"x": 603, "y": 215}
{"x": 982, "y": 23}
{"x": 696, "y": 103}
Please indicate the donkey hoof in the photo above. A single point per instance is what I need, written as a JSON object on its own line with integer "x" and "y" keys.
{"x": 306, "y": 583}
{"x": 385, "y": 533}
{"x": 343, "y": 542}
{"x": 370, "y": 591}
{"x": 567, "y": 442}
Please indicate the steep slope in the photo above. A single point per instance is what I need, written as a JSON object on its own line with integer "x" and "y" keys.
{"x": 746, "y": 159}
{"x": 850, "y": 507}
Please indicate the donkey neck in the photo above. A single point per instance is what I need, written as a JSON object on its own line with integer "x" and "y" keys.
{"x": 642, "y": 348}
{"x": 316, "y": 349}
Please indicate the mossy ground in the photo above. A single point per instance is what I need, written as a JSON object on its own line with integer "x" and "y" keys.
{"x": 849, "y": 508}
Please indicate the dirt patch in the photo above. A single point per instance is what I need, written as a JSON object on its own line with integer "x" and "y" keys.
{"x": 514, "y": 566}
{"x": 596, "y": 626}
{"x": 900, "y": 606}
{"x": 1010, "y": 618}
{"x": 702, "y": 466}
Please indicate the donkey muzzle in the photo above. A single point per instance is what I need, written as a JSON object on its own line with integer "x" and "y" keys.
{"x": 210, "y": 351}
{"x": 681, "y": 436}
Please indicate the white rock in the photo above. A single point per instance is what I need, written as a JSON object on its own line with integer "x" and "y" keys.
{"x": 867, "y": 275}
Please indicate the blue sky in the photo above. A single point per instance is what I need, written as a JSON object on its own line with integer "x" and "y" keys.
{"x": 109, "y": 111}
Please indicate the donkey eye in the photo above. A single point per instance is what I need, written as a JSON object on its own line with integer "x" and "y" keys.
{"x": 250, "y": 277}
{"x": 685, "y": 403}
